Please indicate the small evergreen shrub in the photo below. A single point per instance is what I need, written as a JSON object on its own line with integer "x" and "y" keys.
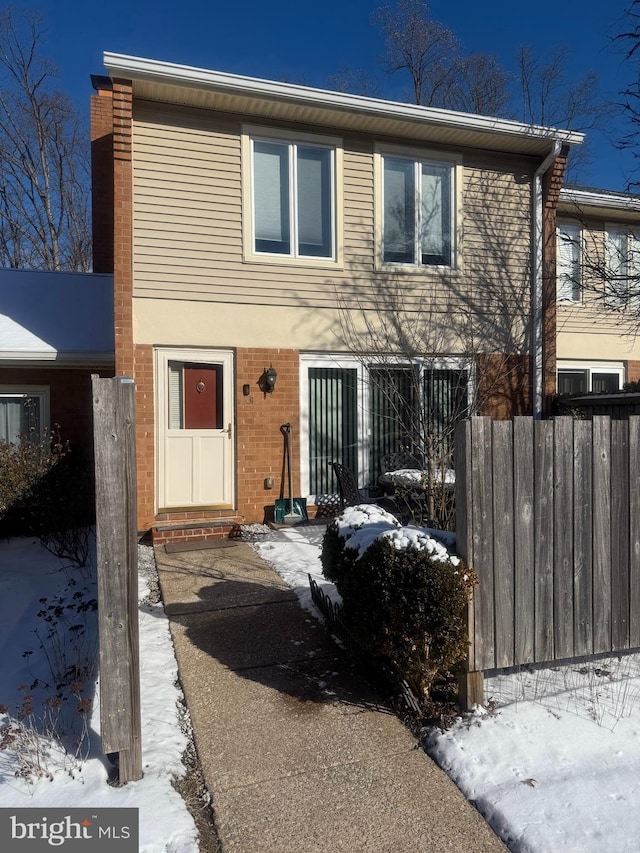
{"x": 404, "y": 595}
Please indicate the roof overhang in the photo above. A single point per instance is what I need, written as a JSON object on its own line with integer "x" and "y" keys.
{"x": 184, "y": 85}
{"x": 599, "y": 203}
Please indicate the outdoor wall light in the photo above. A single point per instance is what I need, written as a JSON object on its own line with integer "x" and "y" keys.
{"x": 267, "y": 381}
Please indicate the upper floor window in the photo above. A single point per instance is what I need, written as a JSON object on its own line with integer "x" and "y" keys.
{"x": 418, "y": 211}
{"x": 292, "y": 193}
{"x": 568, "y": 262}
{"x": 622, "y": 278}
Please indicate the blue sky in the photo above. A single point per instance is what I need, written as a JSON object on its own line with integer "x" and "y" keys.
{"x": 304, "y": 42}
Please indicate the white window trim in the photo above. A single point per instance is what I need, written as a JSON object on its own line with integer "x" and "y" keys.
{"x": 361, "y": 365}
{"x": 335, "y": 144}
{"x": 630, "y": 233}
{"x": 42, "y": 392}
{"x": 426, "y": 155}
{"x": 566, "y": 300}
{"x": 613, "y": 367}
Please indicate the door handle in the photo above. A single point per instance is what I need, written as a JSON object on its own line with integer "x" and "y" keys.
{"x": 228, "y": 431}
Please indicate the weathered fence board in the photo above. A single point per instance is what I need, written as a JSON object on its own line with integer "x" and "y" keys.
{"x": 548, "y": 514}
{"x": 601, "y": 534}
{"x": 115, "y": 467}
{"x": 620, "y": 542}
{"x": 583, "y": 539}
{"x": 503, "y": 547}
{"x": 523, "y": 497}
{"x": 563, "y": 537}
{"x": 482, "y": 540}
{"x": 634, "y": 532}
{"x": 543, "y": 554}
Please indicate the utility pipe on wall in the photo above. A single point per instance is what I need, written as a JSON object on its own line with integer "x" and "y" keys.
{"x": 537, "y": 291}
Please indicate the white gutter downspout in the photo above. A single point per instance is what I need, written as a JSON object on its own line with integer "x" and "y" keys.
{"x": 537, "y": 301}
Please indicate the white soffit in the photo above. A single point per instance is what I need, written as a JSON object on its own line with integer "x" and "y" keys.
{"x": 167, "y": 82}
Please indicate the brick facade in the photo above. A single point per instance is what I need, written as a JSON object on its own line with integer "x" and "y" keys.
{"x": 69, "y": 398}
{"x": 504, "y": 385}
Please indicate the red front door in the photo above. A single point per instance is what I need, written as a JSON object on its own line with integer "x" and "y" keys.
{"x": 203, "y": 396}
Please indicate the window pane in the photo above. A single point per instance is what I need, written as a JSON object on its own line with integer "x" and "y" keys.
{"x": 445, "y": 402}
{"x": 568, "y": 263}
{"x": 333, "y": 425}
{"x": 399, "y": 211}
{"x": 392, "y": 420}
{"x": 314, "y": 202}
{"x": 271, "y": 197}
{"x": 19, "y": 416}
{"x": 573, "y": 382}
{"x": 435, "y": 214}
{"x": 603, "y": 383}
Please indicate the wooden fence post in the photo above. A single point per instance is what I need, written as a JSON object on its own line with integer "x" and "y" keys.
{"x": 470, "y": 680}
{"x": 117, "y": 557}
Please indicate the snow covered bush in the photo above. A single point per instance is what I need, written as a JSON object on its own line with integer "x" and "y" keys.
{"x": 403, "y": 593}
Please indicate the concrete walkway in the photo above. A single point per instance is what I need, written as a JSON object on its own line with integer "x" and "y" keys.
{"x": 299, "y": 753}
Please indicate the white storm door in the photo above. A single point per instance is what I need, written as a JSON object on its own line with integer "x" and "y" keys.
{"x": 195, "y": 429}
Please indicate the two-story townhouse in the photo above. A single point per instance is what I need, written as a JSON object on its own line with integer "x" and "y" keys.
{"x": 597, "y": 292}
{"x": 388, "y": 264}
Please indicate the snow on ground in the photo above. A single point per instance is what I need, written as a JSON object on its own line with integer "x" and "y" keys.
{"x": 28, "y": 574}
{"x": 552, "y": 761}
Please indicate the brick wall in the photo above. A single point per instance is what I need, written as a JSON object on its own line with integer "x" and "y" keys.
{"x": 259, "y": 417}
{"x": 504, "y": 385}
{"x": 633, "y": 371}
{"x": 69, "y": 398}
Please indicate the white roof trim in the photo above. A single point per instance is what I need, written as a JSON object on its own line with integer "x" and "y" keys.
{"x": 137, "y": 68}
{"x": 600, "y": 198}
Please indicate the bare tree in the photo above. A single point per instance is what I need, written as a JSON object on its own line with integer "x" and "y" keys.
{"x": 44, "y": 158}
{"x": 548, "y": 96}
{"x": 420, "y": 45}
{"x": 629, "y": 41}
{"x": 480, "y": 85}
{"x": 357, "y": 81}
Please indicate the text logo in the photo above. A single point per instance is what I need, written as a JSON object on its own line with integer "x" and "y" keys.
{"x": 87, "y": 830}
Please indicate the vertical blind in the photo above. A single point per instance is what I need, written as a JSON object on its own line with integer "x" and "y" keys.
{"x": 392, "y": 416}
{"x": 333, "y": 425}
{"x": 176, "y": 406}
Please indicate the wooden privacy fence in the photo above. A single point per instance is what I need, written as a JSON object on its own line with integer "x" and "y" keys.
{"x": 548, "y": 514}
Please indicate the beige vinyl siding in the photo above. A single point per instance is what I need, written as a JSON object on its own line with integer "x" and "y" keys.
{"x": 587, "y": 330}
{"x": 188, "y": 231}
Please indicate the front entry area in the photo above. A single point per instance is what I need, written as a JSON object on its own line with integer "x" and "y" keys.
{"x": 194, "y": 429}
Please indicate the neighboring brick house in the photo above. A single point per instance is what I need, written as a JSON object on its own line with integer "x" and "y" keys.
{"x": 355, "y": 245}
{"x": 597, "y": 295}
{"x": 56, "y": 329}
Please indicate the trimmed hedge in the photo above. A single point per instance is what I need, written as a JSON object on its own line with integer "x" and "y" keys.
{"x": 404, "y": 596}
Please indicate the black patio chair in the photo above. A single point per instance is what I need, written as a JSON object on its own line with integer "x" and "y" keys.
{"x": 350, "y": 494}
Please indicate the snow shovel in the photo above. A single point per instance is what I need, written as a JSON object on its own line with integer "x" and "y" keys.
{"x": 290, "y": 510}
